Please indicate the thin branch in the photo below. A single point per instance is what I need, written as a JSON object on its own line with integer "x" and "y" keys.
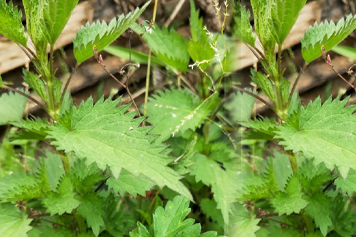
{"x": 255, "y": 96}
{"x": 296, "y": 82}
{"x": 25, "y": 95}
{"x": 174, "y": 13}
{"x": 68, "y": 81}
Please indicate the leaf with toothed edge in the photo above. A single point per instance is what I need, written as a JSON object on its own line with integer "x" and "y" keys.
{"x": 327, "y": 34}
{"x": 326, "y": 132}
{"x": 104, "y": 134}
{"x": 101, "y": 34}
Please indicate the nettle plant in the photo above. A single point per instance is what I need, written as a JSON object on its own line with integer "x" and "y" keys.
{"x": 307, "y": 187}
{"x": 94, "y": 151}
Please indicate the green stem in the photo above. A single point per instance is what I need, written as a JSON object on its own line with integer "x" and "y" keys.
{"x": 293, "y": 162}
{"x": 296, "y": 82}
{"x": 308, "y": 222}
{"x": 65, "y": 162}
{"x": 67, "y": 83}
{"x": 51, "y": 102}
{"x": 279, "y": 96}
{"x": 80, "y": 222}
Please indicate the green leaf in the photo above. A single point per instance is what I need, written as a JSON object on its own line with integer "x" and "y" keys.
{"x": 240, "y": 106}
{"x": 208, "y": 206}
{"x": 176, "y": 110}
{"x": 243, "y": 222}
{"x": 136, "y": 56}
{"x": 35, "y": 83}
{"x": 19, "y": 187}
{"x": 223, "y": 183}
{"x": 1, "y": 82}
{"x": 35, "y": 25}
{"x": 140, "y": 232}
{"x": 264, "y": 84}
{"x": 54, "y": 169}
{"x": 91, "y": 208}
{"x": 282, "y": 169}
{"x": 169, "y": 46}
{"x": 330, "y": 128}
{"x": 262, "y": 129}
{"x": 101, "y": 34}
{"x": 84, "y": 177}
{"x": 291, "y": 200}
{"x": 127, "y": 182}
{"x": 11, "y": 23}
{"x": 12, "y": 106}
{"x": 13, "y": 222}
{"x": 313, "y": 177}
{"x": 242, "y": 29}
{"x": 284, "y": 15}
{"x": 170, "y": 221}
{"x": 347, "y": 185}
{"x": 56, "y": 15}
{"x": 199, "y": 47}
{"x": 327, "y": 34}
{"x": 346, "y": 51}
{"x": 342, "y": 216}
{"x": 106, "y": 135}
{"x": 63, "y": 200}
{"x": 319, "y": 209}
{"x": 33, "y": 129}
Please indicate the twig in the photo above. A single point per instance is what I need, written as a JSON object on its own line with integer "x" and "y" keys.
{"x": 296, "y": 82}
{"x": 328, "y": 62}
{"x": 174, "y": 13}
{"x": 25, "y": 95}
{"x": 68, "y": 81}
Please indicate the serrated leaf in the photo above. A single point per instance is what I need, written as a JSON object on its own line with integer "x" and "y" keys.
{"x": 33, "y": 129}
{"x": 240, "y": 106}
{"x": 223, "y": 183}
{"x": 342, "y": 216}
{"x": 54, "y": 169}
{"x": 19, "y": 187}
{"x": 56, "y": 15}
{"x": 106, "y": 135}
{"x": 330, "y": 128}
{"x": 243, "y": 222}
{"x": 168, "y": 45}
{"x": 63, "y": 200}
{"x": 35, "y": 25}
{"x": 13, "y": 222}
{"x": 327, "y": 34}
{"x": 347, "y": 185}
{"x": 242, "y": 29}
{"x": 11, "y": 23}
{"x": 199, "y": 47}
{"x": 267, "y": 127}
{"x": 91, "y": 208}
{"x": 35, "y": 83}
{"x": 208, "y": 206}
{"x": 176, "y": 110}
{"x": 140, "y": 232}
{"x": 284, "y": 15}
{"x": 101, "y": 34}
{"x": 170, "y": 221}
{"x": 291, "y": 200}
{"x": 264, "y": 83}
{"x": 12, "y": 106}
{"x": 282, "y": 169}
{"x": 127, "y": 182}
{"x": 319, "y": 209}
{"x": 84, "y": 177}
